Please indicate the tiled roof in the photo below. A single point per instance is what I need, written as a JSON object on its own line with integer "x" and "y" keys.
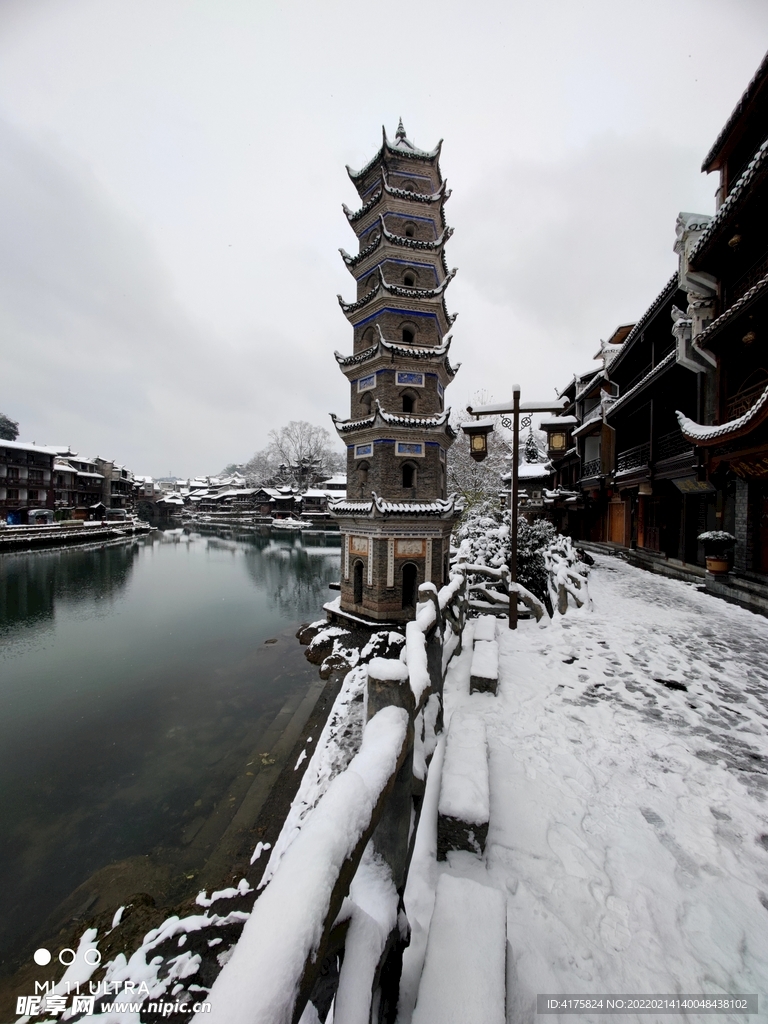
{"x": 442, "y": 508}
{"x": 746, "y": 299}
{"x": 666, "y": 292}
{"x": 738, "y": 110}
{"x": 407, "y": 150}
{"x": 655, "y": 372}
{"x": 756, "y": 165}
{"x": 703, "y": 434}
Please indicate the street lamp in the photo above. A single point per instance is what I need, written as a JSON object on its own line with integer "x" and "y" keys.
{"x": 477, "y": 431}
{"x": 475, "y": 435}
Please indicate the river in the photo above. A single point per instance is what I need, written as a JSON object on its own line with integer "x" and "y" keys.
{"x": 135, "y": 679}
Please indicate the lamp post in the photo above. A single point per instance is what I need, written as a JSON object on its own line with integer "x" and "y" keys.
{"x": 481, "y": 429}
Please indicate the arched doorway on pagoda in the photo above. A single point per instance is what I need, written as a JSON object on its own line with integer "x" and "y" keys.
{"x": 410, "y": 575}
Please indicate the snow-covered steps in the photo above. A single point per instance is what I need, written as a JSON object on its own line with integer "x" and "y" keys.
{"x": 484, "y": 674}
{"x": 463, "y": 981}
{"x": 464, "y": 807}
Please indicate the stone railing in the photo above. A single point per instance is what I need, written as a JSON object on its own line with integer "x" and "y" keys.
{"x": 330, "y": 924}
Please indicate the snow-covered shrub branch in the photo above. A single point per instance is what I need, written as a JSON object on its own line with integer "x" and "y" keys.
{"x": 567, "y": 575}
{"x": 549, "y": 569}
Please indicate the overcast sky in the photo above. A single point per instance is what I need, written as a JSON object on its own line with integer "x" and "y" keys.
{"x": 172, "y": 173}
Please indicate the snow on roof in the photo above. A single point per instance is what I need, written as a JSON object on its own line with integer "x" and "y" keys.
{"x": 443, "y": 507}
{"x": 596, "y": 378}
{"x": 665, "y": 362}
{"x": 703, "y": 434}
{"x": 558, "y": 421}
{"x": 26, "y": 446}
{"x": 337, "y": 478}
{"x": 738, "y": 110}
{"x": 754, "y": 167}
{"x": 533, "y": 470}
{"x": 746, "y": 299}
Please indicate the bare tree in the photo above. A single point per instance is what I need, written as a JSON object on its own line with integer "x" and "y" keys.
{"x": 9, "y": 429}
{"x": 304, "y": 450}
{"x": 477, "y": 481}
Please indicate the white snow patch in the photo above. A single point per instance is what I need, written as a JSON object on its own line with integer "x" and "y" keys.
{"x": 464, "y": 972}
{"x": 464, "y": 790}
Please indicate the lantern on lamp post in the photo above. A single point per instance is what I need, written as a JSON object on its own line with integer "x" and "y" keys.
{"x": 478, "y": 434}
{"x": 477, "y": 431}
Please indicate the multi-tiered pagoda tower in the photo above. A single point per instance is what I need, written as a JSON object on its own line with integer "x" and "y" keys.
{"x": 396, "y": 520}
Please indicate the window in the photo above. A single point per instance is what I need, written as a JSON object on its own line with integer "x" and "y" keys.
{"x": 410, "y": 400}
{"x": 362, "y": 477}
{"x": 409, "y": 475}
{"x": 32, "y": 495}
{"x": 367, "y": 403}
{"x": 13, "y": 494}
{"x": 409, "y": 279}
{"x": 357, "y": 577}
{"x": 410, "y": 576}
{"x": 368, "y": 337}
{"x": 410, "y": 230}
{"x": 409, "y": 187}
{"x": 13, "y": 473}
{"x": 408, "y": 330}
{"x": 36, "y": 475}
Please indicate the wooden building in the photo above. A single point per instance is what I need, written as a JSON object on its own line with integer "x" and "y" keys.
{"x": 727, "y": 266}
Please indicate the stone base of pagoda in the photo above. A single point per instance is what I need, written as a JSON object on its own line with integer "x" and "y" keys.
{"x": 384, "y": 563}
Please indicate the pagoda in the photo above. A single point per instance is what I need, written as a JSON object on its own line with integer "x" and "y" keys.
{"x": 397, "y": 518}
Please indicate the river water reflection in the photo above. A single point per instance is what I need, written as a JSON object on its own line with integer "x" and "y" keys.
{"x": 134, "y": 679}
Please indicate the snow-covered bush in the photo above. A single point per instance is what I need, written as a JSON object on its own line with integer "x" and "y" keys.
{"x": 483, "y": 539}
{"x": 716, "y": 542}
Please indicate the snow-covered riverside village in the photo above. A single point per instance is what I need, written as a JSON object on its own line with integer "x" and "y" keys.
{"x": 541, "y": 787}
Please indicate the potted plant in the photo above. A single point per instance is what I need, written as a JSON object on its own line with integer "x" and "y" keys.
{"x": 718, "y": 547}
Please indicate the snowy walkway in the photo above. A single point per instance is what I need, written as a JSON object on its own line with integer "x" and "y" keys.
{"x": 629, "y": 810}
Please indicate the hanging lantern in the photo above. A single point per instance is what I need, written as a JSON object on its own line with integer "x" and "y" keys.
{"x": 477, "y": 431}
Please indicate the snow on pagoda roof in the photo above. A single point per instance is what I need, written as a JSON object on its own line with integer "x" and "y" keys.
{"x": 423, "y": 245}
{"x": 401, "y": 292}
{"x": 444, "y": 508}
{"x": 405, "y": 351}
{"x": 704, "y": 435}
{"x": 407, "y": 195}
{"x": 402, "y": 146}
{"x": 392, "y": 420}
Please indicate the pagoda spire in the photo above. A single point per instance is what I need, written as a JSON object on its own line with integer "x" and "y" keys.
{"x": 400, "y": 133}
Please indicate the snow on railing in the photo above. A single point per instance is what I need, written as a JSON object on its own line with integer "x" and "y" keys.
{"x": 332, "y": 890}
{"x": 567, "y": 575}
{"x": 273, "y": 968}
